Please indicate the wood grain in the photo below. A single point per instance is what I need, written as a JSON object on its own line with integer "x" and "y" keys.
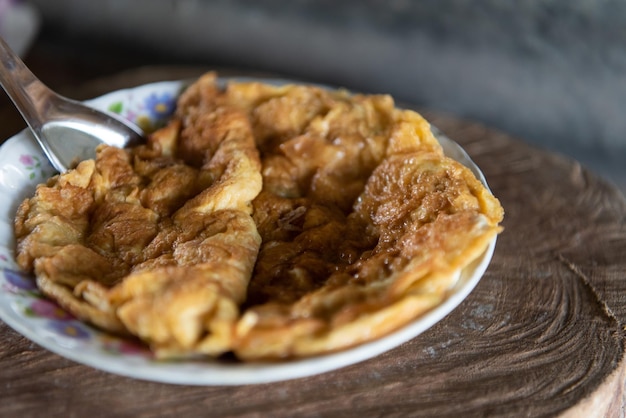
{"x": 541, "y": 335}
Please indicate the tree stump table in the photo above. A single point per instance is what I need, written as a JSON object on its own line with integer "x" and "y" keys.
{"x": 541, "y": 335}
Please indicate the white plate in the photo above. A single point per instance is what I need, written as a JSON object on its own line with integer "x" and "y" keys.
{"x": 23, "y": 166}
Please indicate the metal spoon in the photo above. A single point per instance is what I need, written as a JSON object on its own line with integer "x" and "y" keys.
{"x": 67, "y": 131}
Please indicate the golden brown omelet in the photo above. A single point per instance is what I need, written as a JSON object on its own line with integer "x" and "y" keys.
{"x": 273, "y": 222}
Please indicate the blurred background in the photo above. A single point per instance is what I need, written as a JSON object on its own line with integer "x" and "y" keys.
{"x": 549, "y": 72}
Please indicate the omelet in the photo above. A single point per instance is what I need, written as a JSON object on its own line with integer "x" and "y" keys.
{"x": 273, "y": 222}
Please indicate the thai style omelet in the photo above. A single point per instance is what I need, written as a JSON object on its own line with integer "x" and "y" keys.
{"x": 271, "y": 222}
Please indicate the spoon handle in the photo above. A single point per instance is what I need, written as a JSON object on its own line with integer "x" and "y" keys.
{"x": 28, "y": 93}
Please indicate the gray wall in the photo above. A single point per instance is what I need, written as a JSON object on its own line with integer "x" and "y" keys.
{"x": 552, "y": 72}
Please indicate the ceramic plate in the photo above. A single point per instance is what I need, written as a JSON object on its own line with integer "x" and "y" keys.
{"x": 22, "y": 306}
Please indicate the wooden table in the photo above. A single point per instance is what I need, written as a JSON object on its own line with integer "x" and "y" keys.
{"x": 541, "y": 335}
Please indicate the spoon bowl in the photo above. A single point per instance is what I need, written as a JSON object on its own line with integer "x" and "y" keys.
{"x": 67, "y": 130}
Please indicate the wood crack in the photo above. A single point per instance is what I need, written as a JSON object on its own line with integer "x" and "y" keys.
{"x": 571, "y": 266}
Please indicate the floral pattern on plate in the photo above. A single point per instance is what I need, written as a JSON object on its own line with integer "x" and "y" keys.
{"x": 39, "y": 169}
{"x": 150, "y": 112}
{"x": 54, "y": 319}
